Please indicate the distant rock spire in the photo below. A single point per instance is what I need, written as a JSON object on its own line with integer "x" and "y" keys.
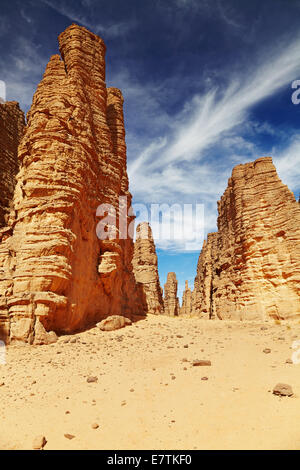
{"x": 146, "y": 269}
{"x": 171, "y": 301}
{"x": 187, "y": 306}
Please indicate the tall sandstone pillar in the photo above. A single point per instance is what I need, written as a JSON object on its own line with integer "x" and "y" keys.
{"x": 59, "y": 275}
{"x": 146, "y": 269}
{"x": 187, "y": 302}
{"x": 250, "y": 268}
{"x": 171, "y": 301}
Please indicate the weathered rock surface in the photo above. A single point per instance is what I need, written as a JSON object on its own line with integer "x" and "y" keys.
{"x": 54, "y": 269}
{"x": 201, "y": 362}
{"x": 39, "y": 442}
{"x": 187, "y": 301}
{"x": 12, "y": 124}
{"x": 171, "y": 301}
{"x": 145, "y": 268}
{"x": 113, "y": 322}
{"x": 250, "y": 268}
{"x": 283, "y": 390}
{"x": 205, "y": 278}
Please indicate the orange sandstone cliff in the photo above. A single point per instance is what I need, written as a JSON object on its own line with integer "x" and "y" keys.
{"x": 145, "y": 268}
{"x": 11, "y": 130}
{"x": 56, "y": 274}
{"x": 250, "y": 268}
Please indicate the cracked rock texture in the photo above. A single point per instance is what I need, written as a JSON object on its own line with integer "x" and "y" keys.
{"x": 12, "y": 124}
{"x": 250, "y": 268}
{"x": 145, "y": 268}
{"x": 171, "y": 301}
{"x": 55, "y": 272}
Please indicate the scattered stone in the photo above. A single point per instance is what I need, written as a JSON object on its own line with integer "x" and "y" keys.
{"x": 113, "y": 322}
{"x": 283, "y": 390}
{"x": 267, "y": 351}
{"x": 39, "y": 442}
{"x": 95, "y": 425}
{"x": 289, "y": 361}
{"x": 204, "y": 378}
{"x": 69, "y": 436}
{"x": 92, "y": 379}
{"x": 198, "y": 362}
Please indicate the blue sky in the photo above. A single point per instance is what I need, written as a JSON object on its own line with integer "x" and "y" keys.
{"x": 207, "y": 85}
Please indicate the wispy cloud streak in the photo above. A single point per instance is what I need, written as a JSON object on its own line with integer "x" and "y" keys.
{"x": 206, "y": 118}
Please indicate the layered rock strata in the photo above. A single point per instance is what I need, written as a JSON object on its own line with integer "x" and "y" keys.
{"x": 250, "y": 268}
{"x": 146, "y": 269}
{"x": 12, "y": 124}
{"x": 171, "y": 301}
{"x": 56, "y": 272}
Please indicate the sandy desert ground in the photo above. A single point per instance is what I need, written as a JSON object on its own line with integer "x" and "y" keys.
{"x": 147, "y": 393}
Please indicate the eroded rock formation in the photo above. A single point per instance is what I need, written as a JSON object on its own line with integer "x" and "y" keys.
{"x": 171, "y": 301}
{"x": 250, "y": 268}
{"x": 187, "y": 301}
{"x": 56, "y": 274}
{"x": 145, "y": 268}
{"x": 11, "y": 130}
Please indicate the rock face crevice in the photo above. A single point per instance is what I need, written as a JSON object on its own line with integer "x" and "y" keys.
{"x": 146, "y": 269}
{"x": 250, "y": 268}
{"x": 12, "y": 124}
{"x": 56, "y": 272}
{"x": 171, "y": 301}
